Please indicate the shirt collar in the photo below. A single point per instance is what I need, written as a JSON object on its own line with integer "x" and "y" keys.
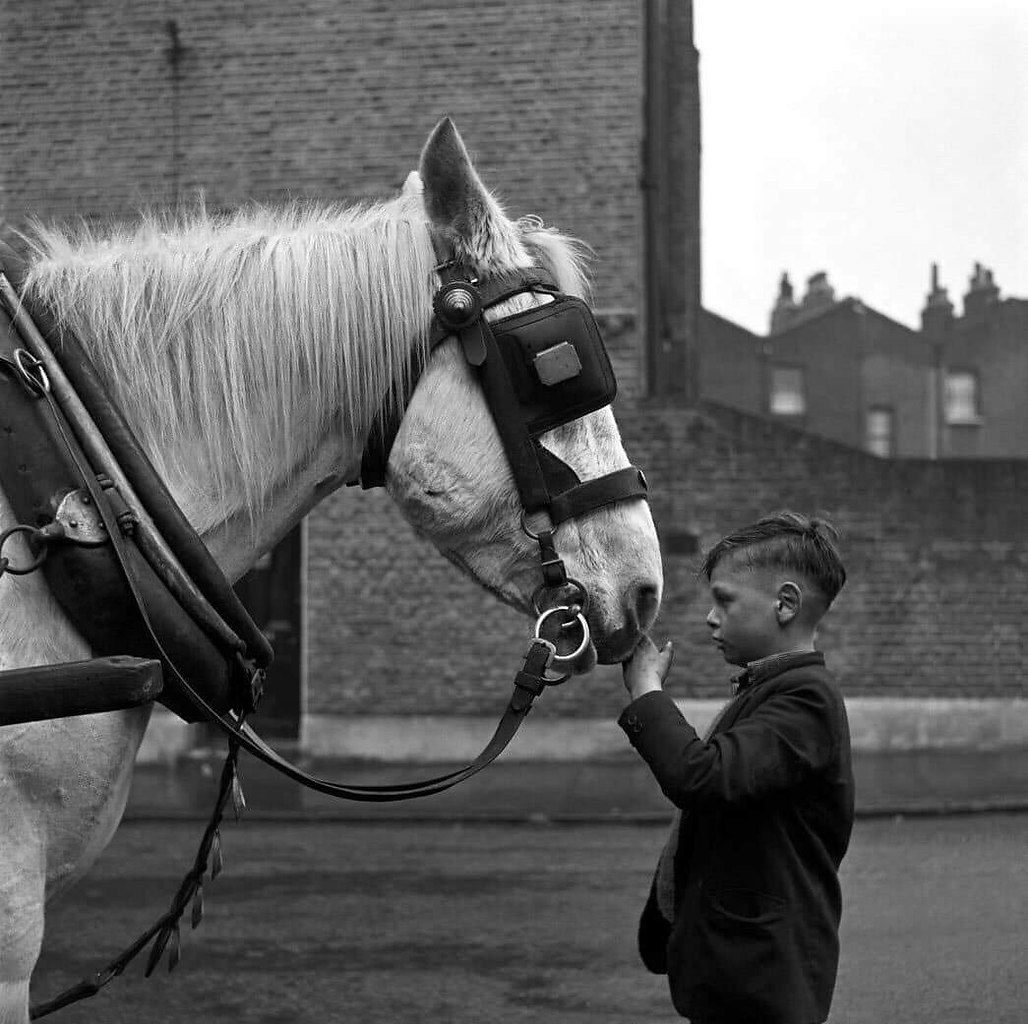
{"x": 773, "y": 665}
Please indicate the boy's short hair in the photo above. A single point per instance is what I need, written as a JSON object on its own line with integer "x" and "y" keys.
{"x": 789, "y": 541}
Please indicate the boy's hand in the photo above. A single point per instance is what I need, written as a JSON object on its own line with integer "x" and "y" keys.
{"x": 647, "y": 668}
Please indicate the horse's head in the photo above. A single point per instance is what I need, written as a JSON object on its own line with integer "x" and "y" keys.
{"x": 448, "y": 470}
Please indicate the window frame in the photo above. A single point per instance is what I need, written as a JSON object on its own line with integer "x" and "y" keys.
{"x": 801, "y": 371}
{"x": 972, "y": 419}
{"x": 890, "y": 438}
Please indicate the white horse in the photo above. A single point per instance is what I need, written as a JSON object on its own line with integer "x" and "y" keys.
{"x": 250, "y": 355}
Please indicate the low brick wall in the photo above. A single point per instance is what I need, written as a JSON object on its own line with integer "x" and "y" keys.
{"x": 937, "y": 555}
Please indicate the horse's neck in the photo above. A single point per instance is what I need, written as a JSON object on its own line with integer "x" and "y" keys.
{"x": 313, "y": 335}
{"x": 236, "y": 540}
{"x": 237, "y": 523}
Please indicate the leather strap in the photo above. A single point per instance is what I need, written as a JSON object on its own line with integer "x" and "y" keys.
{"x": 593, "y": 494}
{"x": 528, "y": 684}
{"x": 40, "y": 459}
{"x": 110, "y": 590}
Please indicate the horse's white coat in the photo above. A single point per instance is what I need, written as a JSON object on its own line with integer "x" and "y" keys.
{"x": 251, "y": 359}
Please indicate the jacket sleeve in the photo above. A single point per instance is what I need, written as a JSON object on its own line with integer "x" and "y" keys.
{"x": 789, "y": 735}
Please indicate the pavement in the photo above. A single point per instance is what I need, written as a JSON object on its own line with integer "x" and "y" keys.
{"x": 533, "y": 923}
{"x": 888, "y": 783}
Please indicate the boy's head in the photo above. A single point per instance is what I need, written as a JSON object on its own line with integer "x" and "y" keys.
{"x": 770, "y": 584}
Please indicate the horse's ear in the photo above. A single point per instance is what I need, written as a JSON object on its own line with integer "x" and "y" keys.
{"x": 460, "y": 206}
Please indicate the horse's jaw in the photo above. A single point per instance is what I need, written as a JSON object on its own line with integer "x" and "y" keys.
{"x": 613, "y": 553}
{"x": 503, "y": 586}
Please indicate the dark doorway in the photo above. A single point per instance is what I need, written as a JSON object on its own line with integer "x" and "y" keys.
{"x": 271, "y": 593}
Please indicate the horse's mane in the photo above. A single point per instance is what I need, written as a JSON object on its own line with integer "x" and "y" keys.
{"x": 261, "y": 327}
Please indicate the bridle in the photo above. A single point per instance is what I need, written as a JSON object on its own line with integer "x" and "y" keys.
{"x": 539, "y": 368}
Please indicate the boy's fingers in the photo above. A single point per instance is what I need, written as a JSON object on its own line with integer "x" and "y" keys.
{"x": 644, "y": 647}
{"x": 645, "y": 644}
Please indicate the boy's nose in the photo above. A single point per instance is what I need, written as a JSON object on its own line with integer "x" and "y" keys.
{"x": 712, "y": 619}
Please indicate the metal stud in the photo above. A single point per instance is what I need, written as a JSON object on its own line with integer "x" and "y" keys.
{"x": 458, "y": 304}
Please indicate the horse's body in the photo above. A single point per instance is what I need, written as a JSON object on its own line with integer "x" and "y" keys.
{"x": 250, "y": 357}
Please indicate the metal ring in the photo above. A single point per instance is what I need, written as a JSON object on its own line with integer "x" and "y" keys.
{"x": 39, "y": 383}
{"x": 526, "y": 530}
{"x": 565, "y": 659}
{"x": 37, "y": 561}
{"x": 556, "y": 680}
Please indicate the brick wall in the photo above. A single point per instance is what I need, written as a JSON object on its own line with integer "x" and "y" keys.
{"x": 937, "y": 552}
{"x": 937, "y": 555}
{"x": 329, "y": 100}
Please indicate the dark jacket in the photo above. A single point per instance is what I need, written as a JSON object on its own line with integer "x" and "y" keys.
{"x": 767, "y": 808}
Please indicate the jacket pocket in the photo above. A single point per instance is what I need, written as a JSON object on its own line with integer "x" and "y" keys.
{"x": 746, "y": 968}
{"x": 744, "y": 906}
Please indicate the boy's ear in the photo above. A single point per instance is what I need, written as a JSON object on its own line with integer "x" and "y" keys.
{"x": 788, "y": 602}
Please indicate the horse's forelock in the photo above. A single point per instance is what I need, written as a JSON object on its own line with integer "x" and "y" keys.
{"x": 564, "y": 257}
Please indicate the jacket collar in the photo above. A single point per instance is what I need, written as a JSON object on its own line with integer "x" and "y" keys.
{"x": 774, "y": 665}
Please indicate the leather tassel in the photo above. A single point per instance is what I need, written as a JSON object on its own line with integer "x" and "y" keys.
{"x": 197, "y": 913}
{"x": 216, "y": 862}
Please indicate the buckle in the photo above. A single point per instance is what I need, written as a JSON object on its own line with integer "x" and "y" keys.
{"x": 31, "y": 372}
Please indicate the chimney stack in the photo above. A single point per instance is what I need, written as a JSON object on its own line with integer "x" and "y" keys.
{"x": 982, "y": 292}
{"x": 937, "y": 315}
{"x": 784, "y": 311}
{"x": 820, "y": 294}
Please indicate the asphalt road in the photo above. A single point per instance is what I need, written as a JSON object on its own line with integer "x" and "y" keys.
{"x": 414, "y": 922}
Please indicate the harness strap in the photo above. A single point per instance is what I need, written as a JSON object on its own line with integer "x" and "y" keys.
{"x": 43, "y": 456}
{"x": 604, "y": 490}
{"x": 162, "y": 508}
{"x": 518, "y": 444}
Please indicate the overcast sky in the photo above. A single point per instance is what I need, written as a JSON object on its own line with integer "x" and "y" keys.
{"x": 864, "y": 139}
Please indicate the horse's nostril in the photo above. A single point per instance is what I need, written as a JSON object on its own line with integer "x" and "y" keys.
{"x": 641, "y": 605}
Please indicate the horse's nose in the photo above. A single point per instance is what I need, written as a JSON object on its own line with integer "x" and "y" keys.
{"x": 641, "y": 604}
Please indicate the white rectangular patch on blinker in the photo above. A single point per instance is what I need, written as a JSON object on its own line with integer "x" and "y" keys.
{"x": 557, "y": 363}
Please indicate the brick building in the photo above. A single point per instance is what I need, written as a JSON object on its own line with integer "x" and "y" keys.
{"x": 591, "y": 122}
{"x": 842, "y": 370}
{"x": 983, "y": 364}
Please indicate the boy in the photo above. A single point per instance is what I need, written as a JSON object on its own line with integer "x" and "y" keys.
{"x": 743, "y": 915}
